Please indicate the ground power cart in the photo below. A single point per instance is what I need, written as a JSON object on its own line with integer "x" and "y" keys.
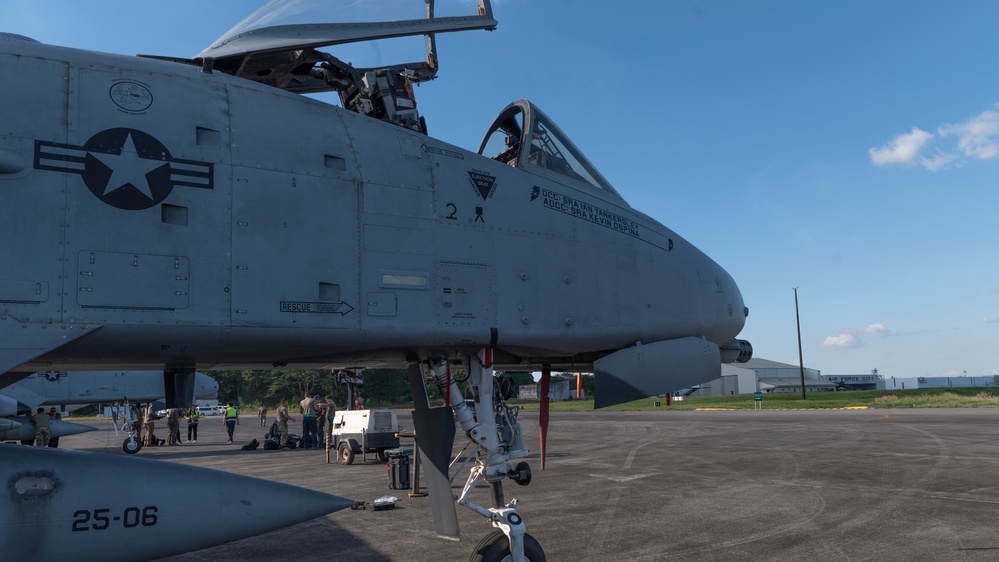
{"x": 357, "y": 432}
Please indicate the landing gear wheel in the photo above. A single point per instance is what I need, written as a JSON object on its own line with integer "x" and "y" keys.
{"x": 345, "y": 455}
{"x": 131, "y": 446}
{"x": 495, "y": 547}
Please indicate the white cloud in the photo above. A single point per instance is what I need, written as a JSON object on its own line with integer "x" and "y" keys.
{"x": 940, "y": 161}
{"x": 978, "y": 137}
{"x": 844, "y": 340}
{"x": 903, "y": 149}
{"x": 878, "y": 330}
{"x": 990, "y": 320}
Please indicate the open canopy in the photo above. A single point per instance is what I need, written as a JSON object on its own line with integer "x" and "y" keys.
{"x": 277, "y": 44}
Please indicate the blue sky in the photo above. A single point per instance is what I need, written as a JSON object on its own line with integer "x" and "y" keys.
{"x": 848, "y": 148}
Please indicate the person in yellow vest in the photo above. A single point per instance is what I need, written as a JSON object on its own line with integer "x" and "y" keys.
{"x": 231, "y": 419}
{"x": 283, "y": 417}
{"x": 193, "y": 418}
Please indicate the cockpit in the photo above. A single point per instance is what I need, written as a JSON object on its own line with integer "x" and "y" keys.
{"x": 523, "y": 136}
{"x": 275, "y": 46}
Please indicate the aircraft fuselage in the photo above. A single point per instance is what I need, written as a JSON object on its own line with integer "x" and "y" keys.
{"x": 159, "y": 215}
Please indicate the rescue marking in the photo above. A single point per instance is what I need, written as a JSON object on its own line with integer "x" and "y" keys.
{"x": 340, "y": 308}
{"x": 442, "y": 152}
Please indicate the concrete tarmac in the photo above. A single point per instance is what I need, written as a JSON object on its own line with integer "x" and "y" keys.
{"x": 666, "y": 485}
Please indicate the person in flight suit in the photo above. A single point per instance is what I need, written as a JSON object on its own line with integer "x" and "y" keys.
{"x": 282, "y": 422}
{"x": 42, "y": 432}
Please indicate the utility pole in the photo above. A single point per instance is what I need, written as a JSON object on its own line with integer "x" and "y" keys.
{"x": 801, "y": 361}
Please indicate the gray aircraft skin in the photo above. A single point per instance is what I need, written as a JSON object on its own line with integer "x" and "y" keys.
{"x": 22, "y": 428}
{"x": 39, "y": 521}
{"x": 173, "y": 214}
{"x": 76, "y": 388}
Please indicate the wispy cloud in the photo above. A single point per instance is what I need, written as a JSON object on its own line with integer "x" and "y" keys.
{"x": 976, "y": 138}
{"x": 990, "y": 319}
{"x": 878, "y": 330}
{"x": 903, "y": 149}
{"x": 843, "y": 340}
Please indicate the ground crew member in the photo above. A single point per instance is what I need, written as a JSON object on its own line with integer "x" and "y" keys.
{"x": 149, "y": 440}
{"x": 262, "y": 414}
{"x": 282, "y": 422}
{"x": 54, "y": 415}
{"x": 42, "y": 432}
{"x": 173, "y": 426}
{"x": 330, "y": 414}
{"x": 307, "y": 407}
{"x": 192, "y": 423}
{"x": 231, "y": 419}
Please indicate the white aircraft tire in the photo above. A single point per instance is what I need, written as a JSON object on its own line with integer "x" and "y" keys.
{"x": 131, "y": 447}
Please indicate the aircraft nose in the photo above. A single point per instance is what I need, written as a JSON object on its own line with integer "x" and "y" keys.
{"x": 732, "y": 318}
{"x": 726, "y": 303}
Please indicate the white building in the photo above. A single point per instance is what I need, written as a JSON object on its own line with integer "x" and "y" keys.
{"x": 763, "y": 375}
{"x": 557, "y": 390}
{"x": 910, "y": 383}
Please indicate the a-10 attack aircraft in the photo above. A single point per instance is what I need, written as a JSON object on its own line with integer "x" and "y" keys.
{"x": 170, "y": 213}
{"x": 78, "y": 388}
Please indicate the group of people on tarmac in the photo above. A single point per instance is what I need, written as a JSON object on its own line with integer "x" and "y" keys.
{"x": 43, "y": 431}
{"x": 173, "y": 416}
{"x": 317, "y": 421}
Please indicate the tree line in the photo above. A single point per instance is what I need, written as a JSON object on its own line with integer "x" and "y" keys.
{"x": 382, "y": 387}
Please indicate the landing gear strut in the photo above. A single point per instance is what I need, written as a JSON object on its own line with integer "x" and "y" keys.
{"x": 132, "y": 443}
{"x": 493, "y": 427}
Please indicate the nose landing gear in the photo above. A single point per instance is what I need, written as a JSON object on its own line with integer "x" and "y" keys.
{"x": 494, "y": 429}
